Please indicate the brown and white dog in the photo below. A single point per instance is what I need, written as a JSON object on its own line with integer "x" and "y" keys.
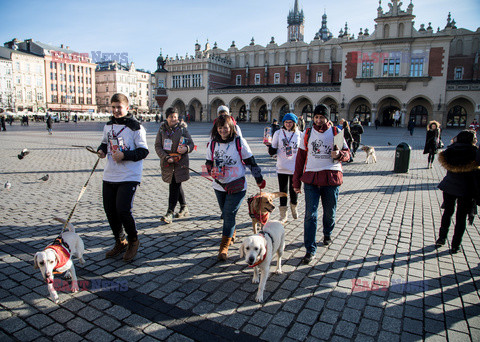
{"x": 259, "y": 250}
{"x": 370, "y": 151}
{"x": 55, "y": 258}
{"x": 260, "y": 206}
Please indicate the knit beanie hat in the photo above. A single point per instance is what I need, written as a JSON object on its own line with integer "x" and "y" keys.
{"x": 290, "y": 116}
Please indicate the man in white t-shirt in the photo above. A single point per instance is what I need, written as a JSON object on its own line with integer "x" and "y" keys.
{"x": 318, "y": 166}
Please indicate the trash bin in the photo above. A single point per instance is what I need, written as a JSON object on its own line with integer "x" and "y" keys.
{"x": 402, "y": 158}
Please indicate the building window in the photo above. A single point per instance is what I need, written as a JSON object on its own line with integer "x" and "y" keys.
{"x": 459, "y": 73}
{"x": 419, "y": 114}
{"x": 276, "y": 78}
{"x": 416, "y": 67}
{"x": 363, "y": 113}
{"x": 367, "y": 69}
{"x": 391, "y": 67}
{"x": 319, "y": 77}
{"x": 17, "y": 66}
{"x": 298, "y": 77}
{"x": 457, "y": 117}
{"x": 238, "y": 80}
{"x": 39, "y": 96}
{"x": 39, "y": 81}
{"x": 19, "y": 80}
{"x": 197, "y": 80}
{"x": 257, "y": 79}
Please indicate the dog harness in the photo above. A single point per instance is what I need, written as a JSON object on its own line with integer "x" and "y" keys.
{"x": 62, "y": 250}
{"x": 262, "y": 218}
{"x": 262, "y": 234}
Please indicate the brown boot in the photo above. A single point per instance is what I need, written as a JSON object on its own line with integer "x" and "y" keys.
{"x": 222, "y": 254}
{"x": 131, "y": 250}
{"x": 233, "y": 237}
{"x": 120, "y": 246}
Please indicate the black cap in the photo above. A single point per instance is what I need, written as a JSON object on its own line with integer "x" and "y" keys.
{"x": 322, "y": 109}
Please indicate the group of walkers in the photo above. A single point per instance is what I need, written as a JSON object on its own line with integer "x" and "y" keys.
{"x": 312, "y": 157}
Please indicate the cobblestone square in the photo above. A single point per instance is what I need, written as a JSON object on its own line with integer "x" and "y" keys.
{"x": 381, "y": 279}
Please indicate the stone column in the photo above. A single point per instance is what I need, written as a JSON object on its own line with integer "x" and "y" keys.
{"x": 269, "y": 115}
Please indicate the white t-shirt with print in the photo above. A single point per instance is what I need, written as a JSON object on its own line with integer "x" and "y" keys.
{"x": 227, "y": 158}
{"x": 125, "y": 170}
{"x": 320, "y": 147}
{"x": 281, "y": 139}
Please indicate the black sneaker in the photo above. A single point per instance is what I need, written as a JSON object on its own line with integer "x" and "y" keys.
{"x": 308, "y": 258}
{"x": 440, "y": 242}
{"x": 327, "y": 240}
{"x": 455, "y": 250}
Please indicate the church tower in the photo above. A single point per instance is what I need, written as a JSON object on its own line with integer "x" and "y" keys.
{"x": 295, "y": 21}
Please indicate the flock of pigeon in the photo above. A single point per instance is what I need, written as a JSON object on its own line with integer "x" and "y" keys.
{"x": 22, "y": 155}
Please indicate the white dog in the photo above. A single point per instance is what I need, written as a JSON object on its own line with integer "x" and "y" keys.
{"x": 259, "y": 250}
{"x": 370, "y": 151}
{"x": 55, "y": 258}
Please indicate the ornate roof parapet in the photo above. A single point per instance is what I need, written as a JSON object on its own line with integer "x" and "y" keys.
{"x": 395, "y": 9}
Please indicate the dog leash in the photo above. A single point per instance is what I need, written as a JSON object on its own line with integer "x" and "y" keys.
{"x": 89, "y": 149}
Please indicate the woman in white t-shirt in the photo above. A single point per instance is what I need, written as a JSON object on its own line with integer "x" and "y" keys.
{"x": 285, "y": 144}
{"x": 227, "y": 155}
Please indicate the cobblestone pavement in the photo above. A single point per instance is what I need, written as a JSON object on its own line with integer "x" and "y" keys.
{"x": 381, "y": 279}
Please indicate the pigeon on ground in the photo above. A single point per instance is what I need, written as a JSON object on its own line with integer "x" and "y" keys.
{"x": 389, "y": 143}
{"x": 8, "y": 185}
{"x": 23, "y": 153}
{"x": 44, "y": 178}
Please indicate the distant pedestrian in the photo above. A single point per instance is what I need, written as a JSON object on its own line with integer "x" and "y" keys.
{"x": 377, "y": 123}
{"x": 340, "y": 124}
{"x": 460, "y": 161}
{"x": 411, "y": 126}
{"x": 10, "y": 119}
{"x": 474, "y": 125}
{"x": 301, "y": 123}
{"x": 432, "y": 142}
{"x": 347, "y": 135}
{"x": 2, "y": 119}
{"x": 357, "y": 130}
{"x": 49, "y": 124}
{"x": 274, "y": 126}
{"x": 156, "y": 118}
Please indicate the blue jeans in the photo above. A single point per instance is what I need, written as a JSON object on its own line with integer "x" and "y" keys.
{"x": 229, "y": 204}
{"x": 313, "y": 193}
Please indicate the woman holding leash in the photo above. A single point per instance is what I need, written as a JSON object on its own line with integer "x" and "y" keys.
{"x": 227, "y": 155}
{"x": 173, "y": 144}
{"x": 285, "y": 144}
{"x": 432, "y": 142}
{"x": 124, "y": 144}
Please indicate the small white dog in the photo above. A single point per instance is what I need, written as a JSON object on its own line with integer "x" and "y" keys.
{"x": 259, "y": 250}
{"x": 55, "y": 258}
{"x": 370, "y": 151}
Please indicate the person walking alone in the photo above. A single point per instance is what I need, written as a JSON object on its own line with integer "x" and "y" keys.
{"x": 432, "y": 142}
{"x": 459, "y": 159}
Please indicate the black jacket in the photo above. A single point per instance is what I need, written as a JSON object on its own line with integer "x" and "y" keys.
{"x": 460, "y": 161}
{"x": 431, "y": 141}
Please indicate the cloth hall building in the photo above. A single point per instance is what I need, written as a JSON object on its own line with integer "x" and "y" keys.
{"x": 396, "y": 69}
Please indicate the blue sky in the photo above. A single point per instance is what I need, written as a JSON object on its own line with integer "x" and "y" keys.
{"x": 140, "y": 28}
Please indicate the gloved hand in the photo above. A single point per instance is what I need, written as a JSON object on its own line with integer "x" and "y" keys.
{"x": 262, "y": 184}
